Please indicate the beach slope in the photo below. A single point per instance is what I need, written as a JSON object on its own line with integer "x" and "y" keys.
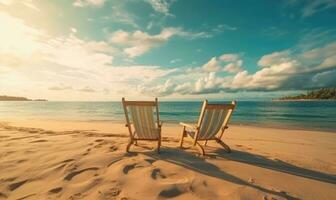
{"x": 87, "y": 160}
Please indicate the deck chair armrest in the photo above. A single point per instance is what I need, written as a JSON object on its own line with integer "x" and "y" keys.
{"x": 188, "y": 125}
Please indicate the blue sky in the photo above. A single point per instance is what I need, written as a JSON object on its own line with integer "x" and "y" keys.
{"x": 176, "y": 50}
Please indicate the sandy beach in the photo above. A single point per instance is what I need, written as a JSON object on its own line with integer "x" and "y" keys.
{"x": 246, "y": 92}
{"x": 87, "y": 160}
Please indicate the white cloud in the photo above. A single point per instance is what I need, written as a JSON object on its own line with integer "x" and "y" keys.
{"x": 226, "y": 62}
{"x": 281, "y": 71}
{"x": 324, "y": 78}
{"x": 73, "y": 52}
{"x": 60, "y": 87}
{"x": 161, "y": 6}
{"x": 169, "y": 87}
{"x": 74, "y": 30}
{"x": 87, "y": 89}
{"x": 175, "y": 60}
{"x": 207, "y": 84}
{"x": 267, "y": 78}
{"x": 320, "y": 52}
{"x": 19, "y": 42}
{"x": 229, "y": 57}
{"x": 223, "y": 27}
{"x": 138, "y": 42}
{"x": 30, "y": 4}
{"x": 83, "y": 3}
{"x": 274, "y": 58}
{"x": 119, "y": 14}
{"x": 314, "y": 6}
{"x": 212, "y": 65}
{"x": 31, "y": 60}
{"x": 234, "y": 67}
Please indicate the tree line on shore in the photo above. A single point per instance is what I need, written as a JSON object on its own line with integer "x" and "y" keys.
{"x": 323, "y": 93}
{"x": 12, "y": 98}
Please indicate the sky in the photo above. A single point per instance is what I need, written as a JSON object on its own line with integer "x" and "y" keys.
{"x": 102, "y": 50}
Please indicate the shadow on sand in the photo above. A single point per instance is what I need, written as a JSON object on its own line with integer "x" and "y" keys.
{"x": 277, "y": 165}
{"x": 200, "y": 165}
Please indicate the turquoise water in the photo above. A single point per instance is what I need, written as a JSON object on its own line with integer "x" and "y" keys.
{"x": 310, "y": 115}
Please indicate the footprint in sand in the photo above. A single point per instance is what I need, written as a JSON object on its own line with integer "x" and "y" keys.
{"x": 113, "y": 148}
{"x": 265, "y": 197}
{"x": 110, "y": 193}
{"x": 21, "y": 161}
{"x": 29, "y": 151}
{"x": 170, "y": 192}
{"x": 65, "y": 163}
{"x": 75, "y": 173}
{"x": 98, "y": 146}
{"x": 128, "y": 168}
{"x": 150, "y": 161}
{"x": 16, "y": 185}
{"x": 25, "y": 197}
{"x": 156, "y": 173}
{"x": 38, "y": 141}
{"x": 55, "y": 190}
{"x": 201, "y": 189}
{"x": 77, "y": 196}
{"x": 100, "y": 143}
{"x": 48, "y": 132}
{"x": 68, "y": 160}
{"x": 86, "y": 152}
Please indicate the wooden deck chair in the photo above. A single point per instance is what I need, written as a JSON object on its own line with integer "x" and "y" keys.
{"x": 212, "y": 123}
{"x": 141, "y": 115}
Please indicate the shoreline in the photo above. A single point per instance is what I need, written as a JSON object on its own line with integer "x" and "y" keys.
{"x": 171, "y": 123}
{"x": 301, "y": 100}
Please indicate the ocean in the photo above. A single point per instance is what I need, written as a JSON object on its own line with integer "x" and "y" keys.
{"x": 307, "y": 115}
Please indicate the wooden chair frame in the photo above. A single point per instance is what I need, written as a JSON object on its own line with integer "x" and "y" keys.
{"x": 196, "y": 127}
{"x": 133, "y": 139}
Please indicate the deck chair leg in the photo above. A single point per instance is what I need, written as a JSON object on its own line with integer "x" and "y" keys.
{"x": 205, "y": 143}
{"x": 135, "y": 141}
{"x": 200, "y": 148}
{"x": 159, "y": 144}
{"x": 182, "y": 137}
{"x": 129, "y": 145}
{"x": 225, "y": 146}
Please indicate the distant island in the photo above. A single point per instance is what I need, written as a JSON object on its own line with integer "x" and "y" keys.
{"x": 319, "y": 94}
{"x": 12, "y": 98}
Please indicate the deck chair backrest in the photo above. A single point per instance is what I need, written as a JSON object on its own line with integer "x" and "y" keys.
{"x": 213, "y": 118}
{"x": 142, "y": 115}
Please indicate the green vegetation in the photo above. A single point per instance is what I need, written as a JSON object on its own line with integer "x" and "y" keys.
{"x": 11, "y": 98}
{"x": 323, "y": 93}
